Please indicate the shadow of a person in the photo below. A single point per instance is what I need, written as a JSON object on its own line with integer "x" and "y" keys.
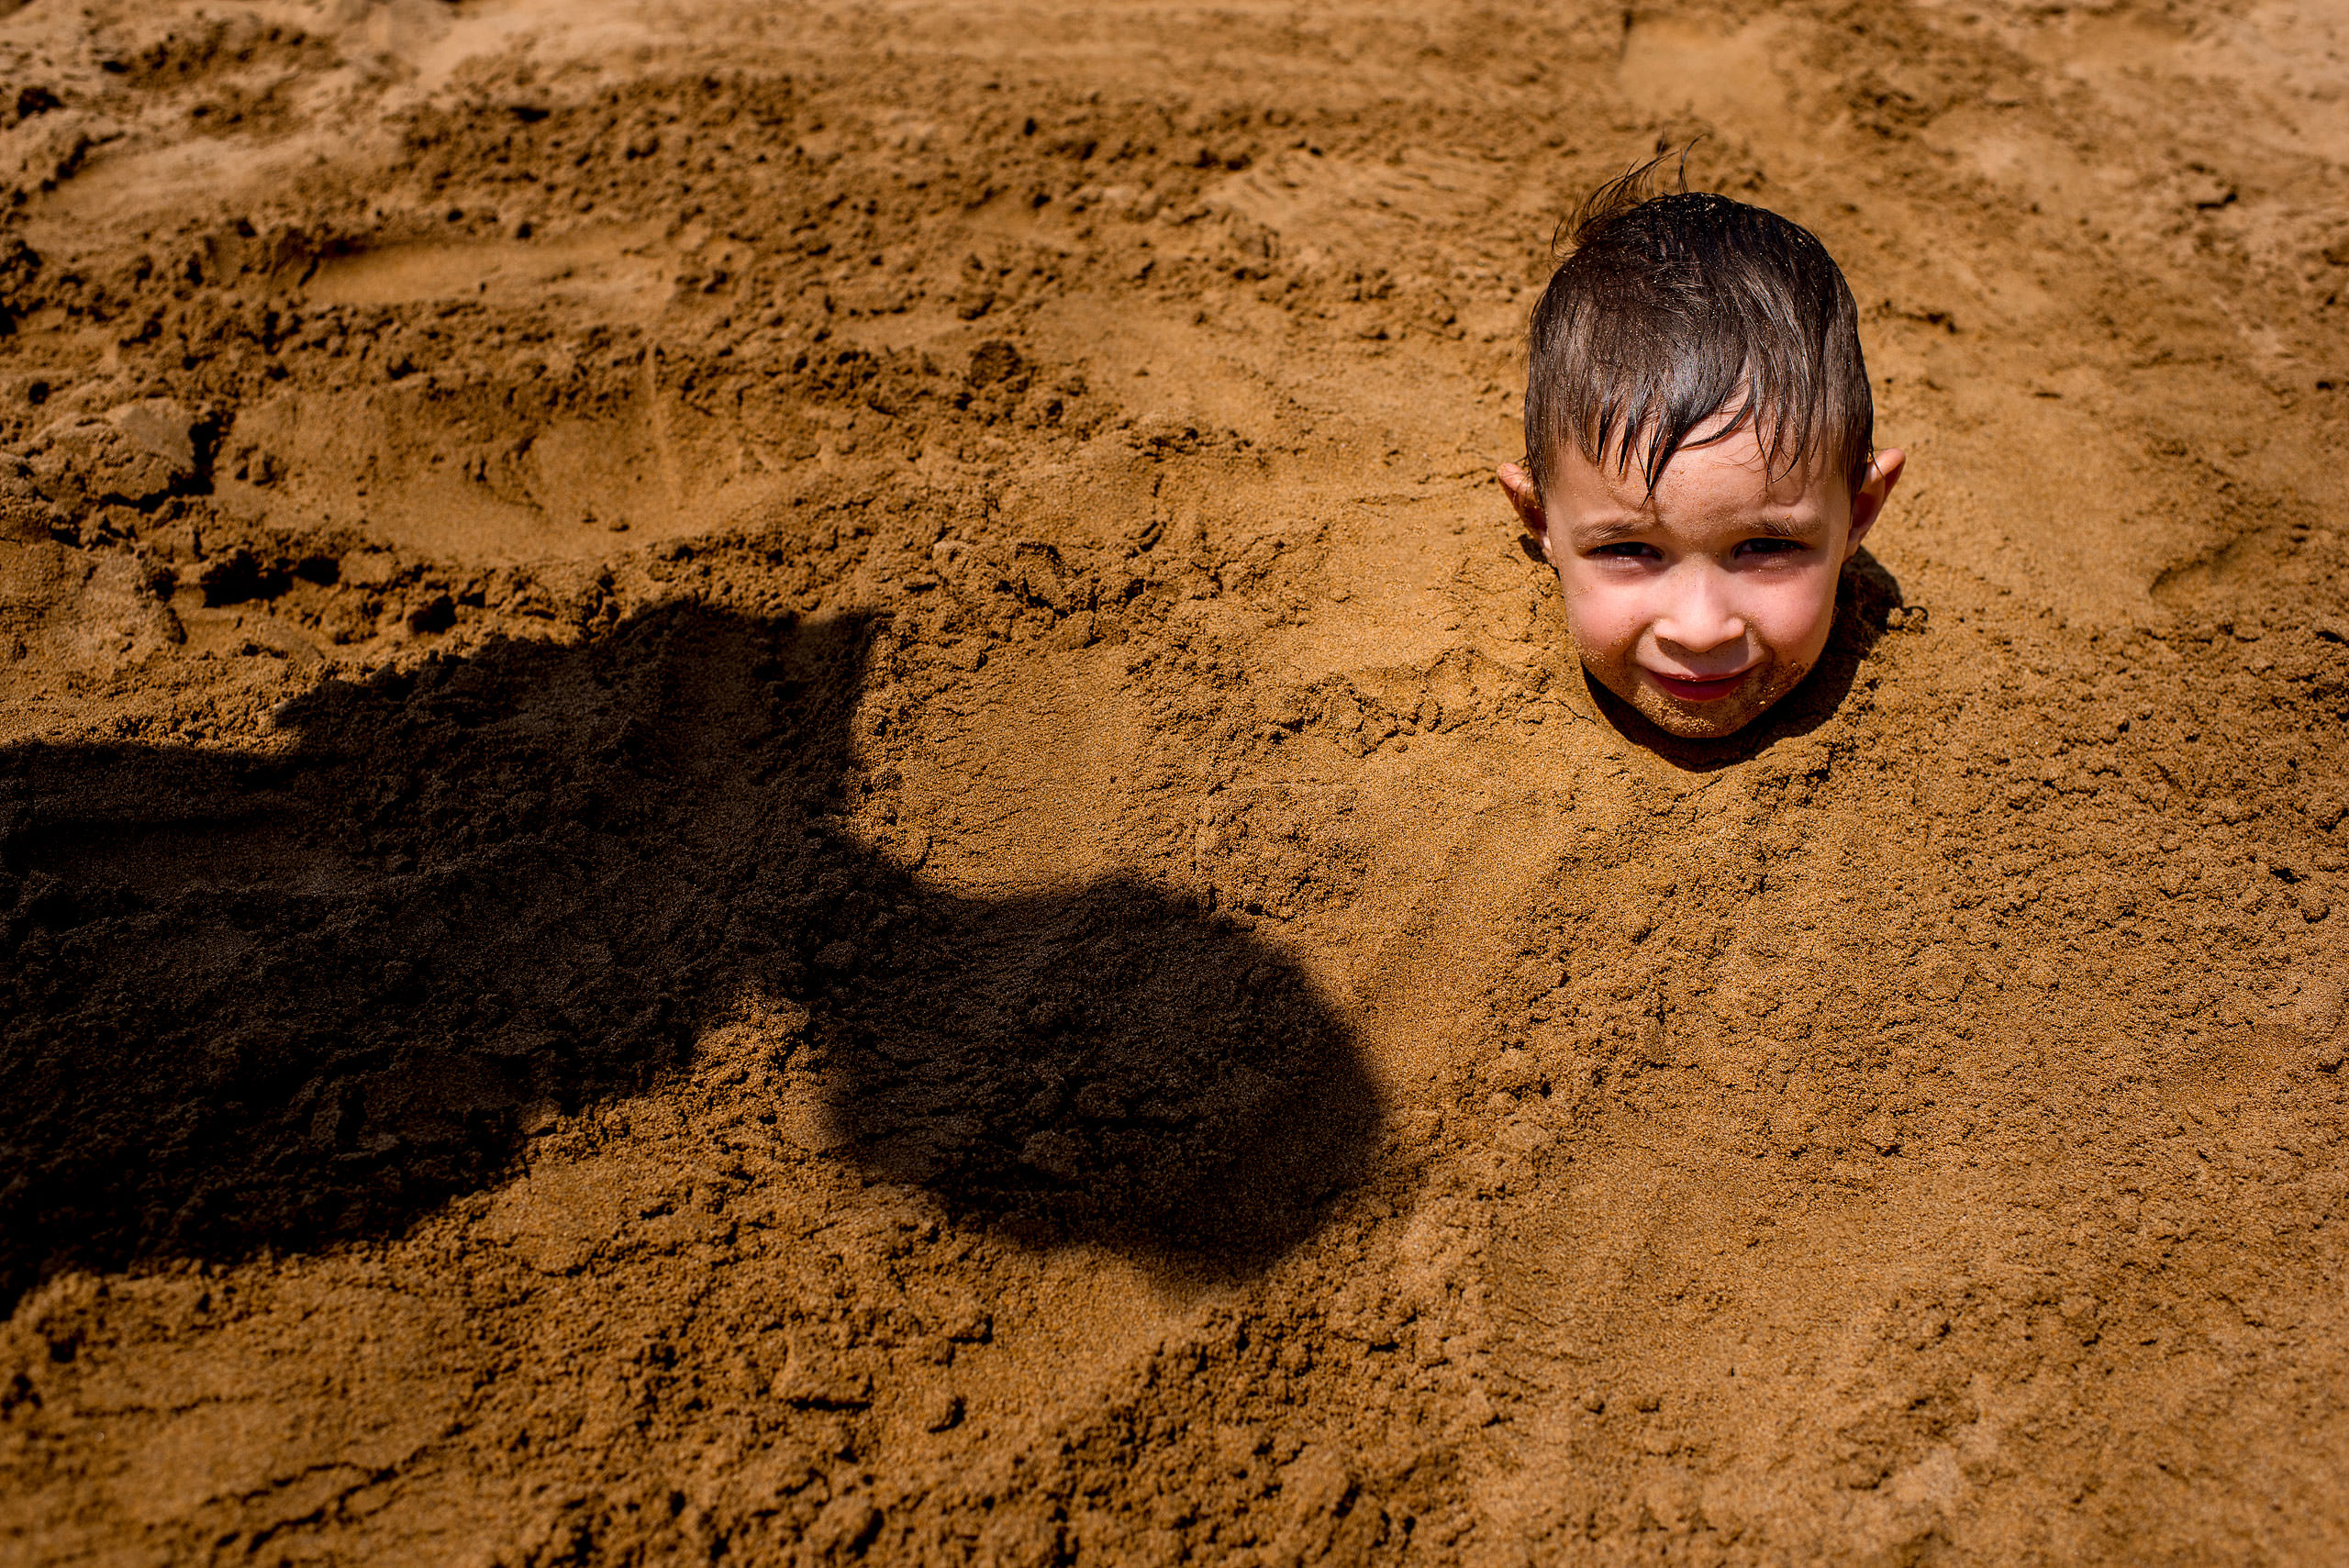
{"x": 274, "y": 1000}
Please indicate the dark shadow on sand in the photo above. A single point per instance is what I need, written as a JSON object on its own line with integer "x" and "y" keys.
{"x": 251, "y": 1001}
{"x": 1867, "y": 602}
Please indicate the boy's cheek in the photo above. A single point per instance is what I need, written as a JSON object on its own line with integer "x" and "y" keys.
{"x": 1796, "y": 623}
{"x": 1602, "y": 631}
{"x": 1595, "y": 628}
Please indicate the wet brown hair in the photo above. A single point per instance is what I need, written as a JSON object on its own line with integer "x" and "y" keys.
{"x": 1672, "y": 308}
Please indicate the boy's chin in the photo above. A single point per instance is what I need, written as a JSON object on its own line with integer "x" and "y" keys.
{"x": 1712, "y": 720}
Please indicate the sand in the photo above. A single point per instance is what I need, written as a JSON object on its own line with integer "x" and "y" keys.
{"x": 776, "y": 784}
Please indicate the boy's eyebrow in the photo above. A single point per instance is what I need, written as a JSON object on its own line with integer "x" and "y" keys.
{"x": 1630, "y": 525}
{"x": 1623, "y": 525}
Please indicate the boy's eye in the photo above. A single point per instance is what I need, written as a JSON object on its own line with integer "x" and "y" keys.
{"x": 1771, "y": 544}
{"x": 1626, "y": 550}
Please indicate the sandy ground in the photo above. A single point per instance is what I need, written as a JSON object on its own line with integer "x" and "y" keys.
{"x": 776, "y": 783}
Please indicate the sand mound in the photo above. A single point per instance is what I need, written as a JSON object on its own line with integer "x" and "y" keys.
{"x": 776, "y": 783}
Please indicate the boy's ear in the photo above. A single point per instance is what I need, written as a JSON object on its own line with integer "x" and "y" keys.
{"x": 1867, "y": 502}
{"x": 1526, "y": 496}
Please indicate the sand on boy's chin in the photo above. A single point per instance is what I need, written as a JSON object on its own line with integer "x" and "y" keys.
{"x": 1717, "y": 719}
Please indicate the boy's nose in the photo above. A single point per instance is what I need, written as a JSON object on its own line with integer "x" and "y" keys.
{"x": 1699, "y": 617}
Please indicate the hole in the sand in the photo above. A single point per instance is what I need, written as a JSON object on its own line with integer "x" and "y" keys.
{"x": 243, "y": 577}
{"x": 507, "y": 459}
{"x": 617, "y": 267}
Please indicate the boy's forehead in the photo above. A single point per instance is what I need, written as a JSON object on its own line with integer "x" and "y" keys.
{"x": 1707, "y": 470}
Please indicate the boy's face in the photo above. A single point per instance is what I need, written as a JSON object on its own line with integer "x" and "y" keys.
{"x": 1705, "y": 602}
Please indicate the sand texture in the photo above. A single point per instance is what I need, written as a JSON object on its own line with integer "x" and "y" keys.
{"x": 776, "y": 784}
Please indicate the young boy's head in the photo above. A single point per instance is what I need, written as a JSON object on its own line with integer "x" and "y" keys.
{"x": 1700, "y": 463}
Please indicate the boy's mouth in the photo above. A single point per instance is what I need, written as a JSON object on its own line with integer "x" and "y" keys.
{"x": 1710, "y": 689}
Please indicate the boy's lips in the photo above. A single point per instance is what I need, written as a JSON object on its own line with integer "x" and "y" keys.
{"x": 1709, "y": 689}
